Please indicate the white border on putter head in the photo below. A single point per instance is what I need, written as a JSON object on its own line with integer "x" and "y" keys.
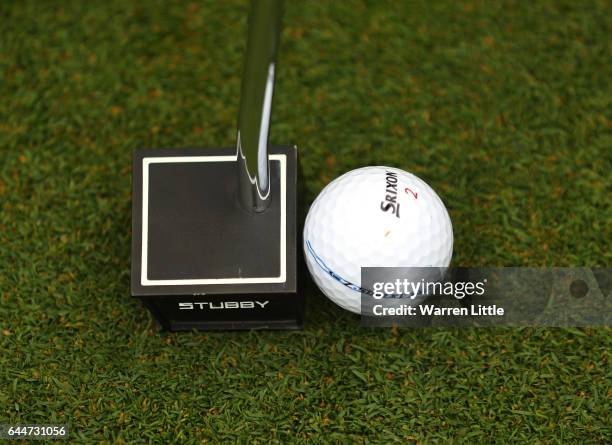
{"x": 144, "y": 281}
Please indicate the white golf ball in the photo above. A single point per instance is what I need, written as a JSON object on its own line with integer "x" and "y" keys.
{"x": 373, "y": 217}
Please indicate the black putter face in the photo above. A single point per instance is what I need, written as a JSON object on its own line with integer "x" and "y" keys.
{"x": 196, "y": 236}
{"x": 199, "y": 260}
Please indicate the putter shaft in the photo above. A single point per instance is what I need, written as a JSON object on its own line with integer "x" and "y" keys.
{"x": 256, "y": 104}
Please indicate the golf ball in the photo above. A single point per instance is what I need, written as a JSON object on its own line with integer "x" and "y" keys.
{"x": 373, "y": 217}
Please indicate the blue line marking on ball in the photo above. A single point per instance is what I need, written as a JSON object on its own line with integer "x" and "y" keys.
{"x": 333, "y": 274}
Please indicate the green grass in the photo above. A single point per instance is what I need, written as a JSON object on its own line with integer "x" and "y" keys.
{"x": 503, "y": 107}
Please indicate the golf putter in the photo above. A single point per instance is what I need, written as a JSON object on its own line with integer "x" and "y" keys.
{"x": 214, "y": 241}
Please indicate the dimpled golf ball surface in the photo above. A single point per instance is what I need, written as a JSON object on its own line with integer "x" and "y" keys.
{"x": 373, "y": 217}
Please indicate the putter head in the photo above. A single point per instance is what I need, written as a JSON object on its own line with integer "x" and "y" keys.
{"x": 199, "y": 259}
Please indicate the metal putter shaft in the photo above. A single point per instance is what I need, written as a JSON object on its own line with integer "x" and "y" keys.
{"x": 256, "y": 104}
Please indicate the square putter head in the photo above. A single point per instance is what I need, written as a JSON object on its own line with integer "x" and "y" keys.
{"x": 199, "y": 259}
{"x": 214, "y": 237}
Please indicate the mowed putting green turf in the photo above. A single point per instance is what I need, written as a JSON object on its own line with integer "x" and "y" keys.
{"x": 503, "y": 107}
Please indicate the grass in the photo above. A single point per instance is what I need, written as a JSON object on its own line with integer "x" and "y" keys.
{"x": 503, "y": 107}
